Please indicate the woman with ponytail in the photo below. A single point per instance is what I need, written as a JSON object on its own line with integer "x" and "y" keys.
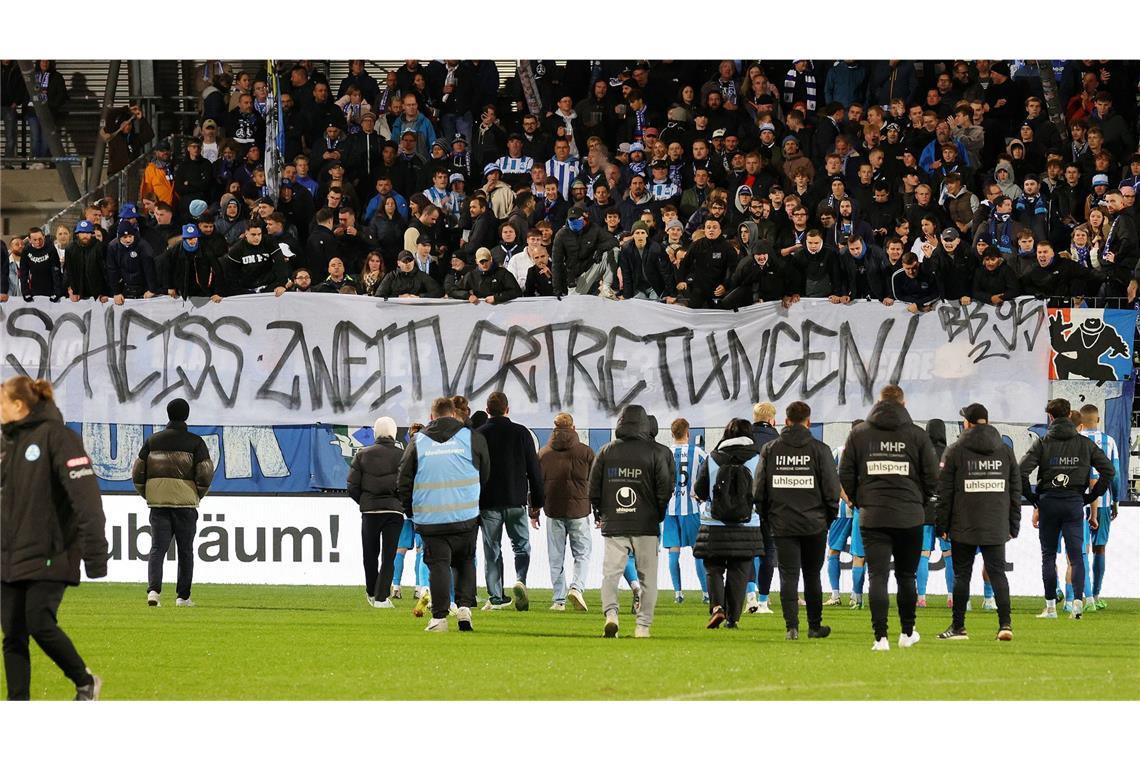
{"x": 52, "y": 517}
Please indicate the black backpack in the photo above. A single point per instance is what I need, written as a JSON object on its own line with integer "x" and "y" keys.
{"x": 732, "y": 494}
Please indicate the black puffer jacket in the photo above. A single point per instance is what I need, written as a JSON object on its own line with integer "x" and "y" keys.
{"x": 173, "y": 468}
{"x": 796, "y": 485}
{"x": 51, "y": 514}
{"x": 632, "y": 479}
{"x": 1063, "y": 459}
{"x": 729, "y": 541}
{"x": 889, "y": 469}
{"x": 575, "y": 252}
{"x": 373, "y": 474}
{"x": 979, "y": 490}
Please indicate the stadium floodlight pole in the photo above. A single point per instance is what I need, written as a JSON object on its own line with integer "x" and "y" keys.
{"x": 95, "y": 171}
{"x": 47, "y": 124}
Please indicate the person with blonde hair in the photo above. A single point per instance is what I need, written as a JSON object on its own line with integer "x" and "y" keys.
{"x": 53, "y": 518}
{"x": 565, "y": 463}
{"x": 372, "y": 485}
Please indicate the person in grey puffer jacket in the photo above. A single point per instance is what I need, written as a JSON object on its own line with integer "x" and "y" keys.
{"x": 630, "y": 485}
{"x": 372, "y": 485}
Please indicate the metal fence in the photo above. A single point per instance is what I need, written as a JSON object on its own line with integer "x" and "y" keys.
{"x": 122, "y": 186}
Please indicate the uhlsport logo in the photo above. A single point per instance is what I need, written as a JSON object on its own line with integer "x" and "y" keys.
{"x": 626, "y": 497}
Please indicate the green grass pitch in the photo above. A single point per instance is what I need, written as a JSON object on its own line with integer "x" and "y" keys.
{"x": 326, "y": 643}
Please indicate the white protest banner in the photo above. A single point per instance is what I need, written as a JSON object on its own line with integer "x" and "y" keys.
{"x": 314, "y": 540}
{"x": 304, "y": 358}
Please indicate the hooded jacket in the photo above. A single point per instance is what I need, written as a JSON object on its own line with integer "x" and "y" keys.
{"x": 254, "y": 269}
{"x": 979, "y": 489}
{"x": 631, "y": 479}
{"x": 722, "y": 540}
{"x": 1063, "y": 460}
{"x": 1002, "y": 281}
{"x": 954, "y": 271}
{"x": 40, "y": 272}
{"x": 173, "y": 468}
{"x": 566, "y": 464}
{"x": 372, "y": 476}
{"x": 441, "y": 431}
{"x": 86, "y": 268}
{"x": 51, "y": 514}
{"x": 797, "y": 485}
{"x": 496, "y": 281}
{"x": 131, "y": 271}
{"x": 889, "y": 469}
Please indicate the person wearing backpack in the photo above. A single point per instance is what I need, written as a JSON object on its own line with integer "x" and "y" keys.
{"x": 797, "y": 493}
{"x": 890, "y": 472}
{"x": 729, "y": 536}
{"x": 630, "y": 485}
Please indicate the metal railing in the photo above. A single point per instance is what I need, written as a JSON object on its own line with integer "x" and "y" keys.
{"x": 123, "y": 186}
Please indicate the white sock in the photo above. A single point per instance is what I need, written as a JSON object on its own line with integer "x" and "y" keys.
{"x": 1051, "y": 604}
{"x": 834, "y": 594}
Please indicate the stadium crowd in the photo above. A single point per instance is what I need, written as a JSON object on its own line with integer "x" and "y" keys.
{"x": 701, "y": 183}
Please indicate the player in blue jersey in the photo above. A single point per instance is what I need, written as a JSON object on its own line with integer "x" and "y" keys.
{"x": 682, "y": 516}
{"x": 1105, "y": 506}
{"x": 843, "y": 528}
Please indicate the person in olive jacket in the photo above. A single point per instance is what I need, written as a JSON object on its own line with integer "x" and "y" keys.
{"x": 797, "y": 493}
{"x": 51, "y": 517}
{"x": 372, "y": 485}
{"x": 173, "y": 472}
{"x": 565, "y": 462}
{"x": 979, "y": 507}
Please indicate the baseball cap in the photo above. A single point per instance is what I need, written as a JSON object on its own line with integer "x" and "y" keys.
{"x": 1100, "y": 180}
{"x": 457, "y": 177}
{"x": 483, "y": 254}
{"x": 651, "y": 132}
{"x": 974, "y": 413}
{"x": 950, "y": 234}
{"x": 634, "y": 146}
{"x": 84, "y": 226}
{"x": 659, "y": 164}
{"x": 574, "y": 213}
{"x": 209, "y": 123}
{"x": 459, "y": 138}
{"x": 623, "y": 147}
{"x": 267, "y": 200}
{"x": 406, "y": 256}
{"x": 719, "y": 133}
{"x": 189, "y": 230}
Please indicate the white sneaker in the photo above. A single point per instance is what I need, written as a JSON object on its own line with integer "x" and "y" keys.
{"x": 989, "y": 603}
{"x": 575, "y": 597}
{"x": 384, "y": 605}
{"x": 184, "y": 603}
{"x": 1050, "y": 613}
{"x": 437, "y": 625}
{"x": 453, "y": 609}
{"x": 611, "y": 629}
{"x": 420, "y": 591}
{"x": 558, "y": 607}
{"x": 763, "y": 609}
{"x": 463, "y": 615}
{"x": 486, "y": 606}
{"x": 641, "y": 632}
{"x": 881, "y": 645}
{"x": 507, "y": 605}
{"x": 1078, "y": 609}
{"x": 371, "y": 599}
{"x": 751, "y": 605}
{"x": 152, "y": 599}
{"x": 908, "y": 641}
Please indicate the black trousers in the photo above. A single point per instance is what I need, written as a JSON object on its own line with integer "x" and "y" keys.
{"x": 379, "y": 536}
{"x": 1061, "y": 513}
{"x": 905, "y": 544}
{"x": 727, "y": 582}
{"x": 181, "y": 524}
{"x": 804, "y": 553}
{"x": 442, "y": 554}
{"x": 28, "y": 609}
{"x": 768, "y": 564}
{"x": 993, "y": 557}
